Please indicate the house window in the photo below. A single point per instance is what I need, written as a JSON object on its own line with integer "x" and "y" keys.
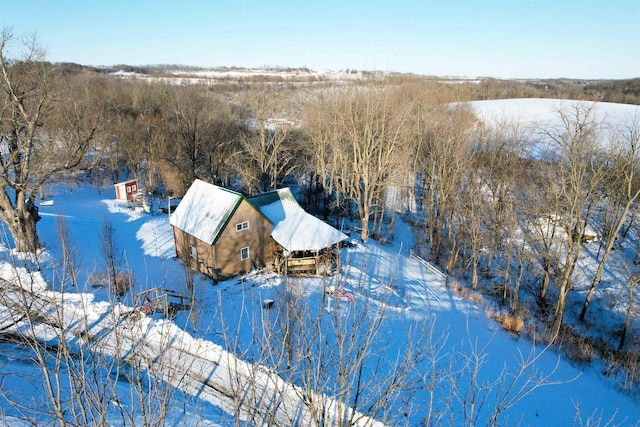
{"x": 194, "y": 252}
{"x": 244, "y": 253}
{"x": 242, "y": 226}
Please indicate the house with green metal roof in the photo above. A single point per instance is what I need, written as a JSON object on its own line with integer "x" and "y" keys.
{"x": 222, "y": 233}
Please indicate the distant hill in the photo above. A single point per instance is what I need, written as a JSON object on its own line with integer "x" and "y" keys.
{"x": 476, "y": 88}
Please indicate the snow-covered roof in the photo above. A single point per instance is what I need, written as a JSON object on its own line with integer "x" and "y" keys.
{"x": 205, "y": 210}
{"x": 295, "y": 229}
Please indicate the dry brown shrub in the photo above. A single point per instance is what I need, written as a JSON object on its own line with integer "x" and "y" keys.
{"x": 464, "y": 292}
{"x": 124, "y": 281}
{"x": 627, "y": 365}
{"x": 575, "y": 346}
{"x": 509, "y": 322}
{"x": 475, "y": 297}
{"x": 454, "y": 284}
{"x": 172, "y": 181}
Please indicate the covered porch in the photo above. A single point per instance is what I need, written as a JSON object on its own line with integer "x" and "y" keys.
{"x": 314, "y": 262}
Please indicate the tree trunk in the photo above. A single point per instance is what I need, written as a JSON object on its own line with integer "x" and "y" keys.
{"x": 631, "y": 221}
{"x": 559, "y": 311}
{"x": 364, "y": 234}
{"x": 516, "y": 289}
{"x": 610, "y": 242}
{"x": 21, "y": 221}
{"x": 627, "y": 320}
{"x": 592, "y": 288}
{"x": 545, "y": 280}
{"x": 563, "y": 291}
{"x": 435, "y": 237}
{"x": 474, "y": 272}
{"x": 507, "y": 273}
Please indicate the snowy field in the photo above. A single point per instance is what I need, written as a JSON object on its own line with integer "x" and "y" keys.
{"x": 381, "y": 278}
{"x": 542, "y": 111}
{"x": 530, "y": 117}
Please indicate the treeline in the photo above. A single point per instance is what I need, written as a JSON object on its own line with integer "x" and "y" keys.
{"x": 624, "y": 91}
{"x": 620, "y": 91}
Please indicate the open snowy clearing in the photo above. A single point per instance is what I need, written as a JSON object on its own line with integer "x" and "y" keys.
{"x": 542, "y": 111}
{"x": 532, "y": 117}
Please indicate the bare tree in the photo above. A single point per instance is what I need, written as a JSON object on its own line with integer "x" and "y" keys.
{"x": 543, "y": 234}
{"x": 37, "y": 146}
{"x": 84, "y": 359}
{"x": 444, "y": 159}
{"x": 118, "y": 279}
{"x": 471, "y": 223}
{"x": 632, "y": 282}
{"x": 488, "y": 200}
{"x": 188, "y": 136}
{"x": 268, "y": 145}
{"x": 322, "y": 139}
{"x": 623, "y": 188}
{"x": 360, "y": 139}
{"x": 575, "y": 175}
{"x": 334, "y": 354}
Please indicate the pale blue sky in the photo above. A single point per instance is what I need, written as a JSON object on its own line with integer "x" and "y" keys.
{"x": 517, "y": 38}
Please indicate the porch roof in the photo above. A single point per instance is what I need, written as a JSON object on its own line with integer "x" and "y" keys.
{"x": 294, "y": 229}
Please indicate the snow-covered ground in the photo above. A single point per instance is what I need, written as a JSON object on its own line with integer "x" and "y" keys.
{"x": 410, "y": 292}
{"x": 542, "y": 111}
{"x": 532, "y": 117}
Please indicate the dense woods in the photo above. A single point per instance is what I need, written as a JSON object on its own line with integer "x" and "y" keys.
{"x": 483, "y": 207}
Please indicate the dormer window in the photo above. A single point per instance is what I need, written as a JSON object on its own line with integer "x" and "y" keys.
{"x": 242, "y": 226}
